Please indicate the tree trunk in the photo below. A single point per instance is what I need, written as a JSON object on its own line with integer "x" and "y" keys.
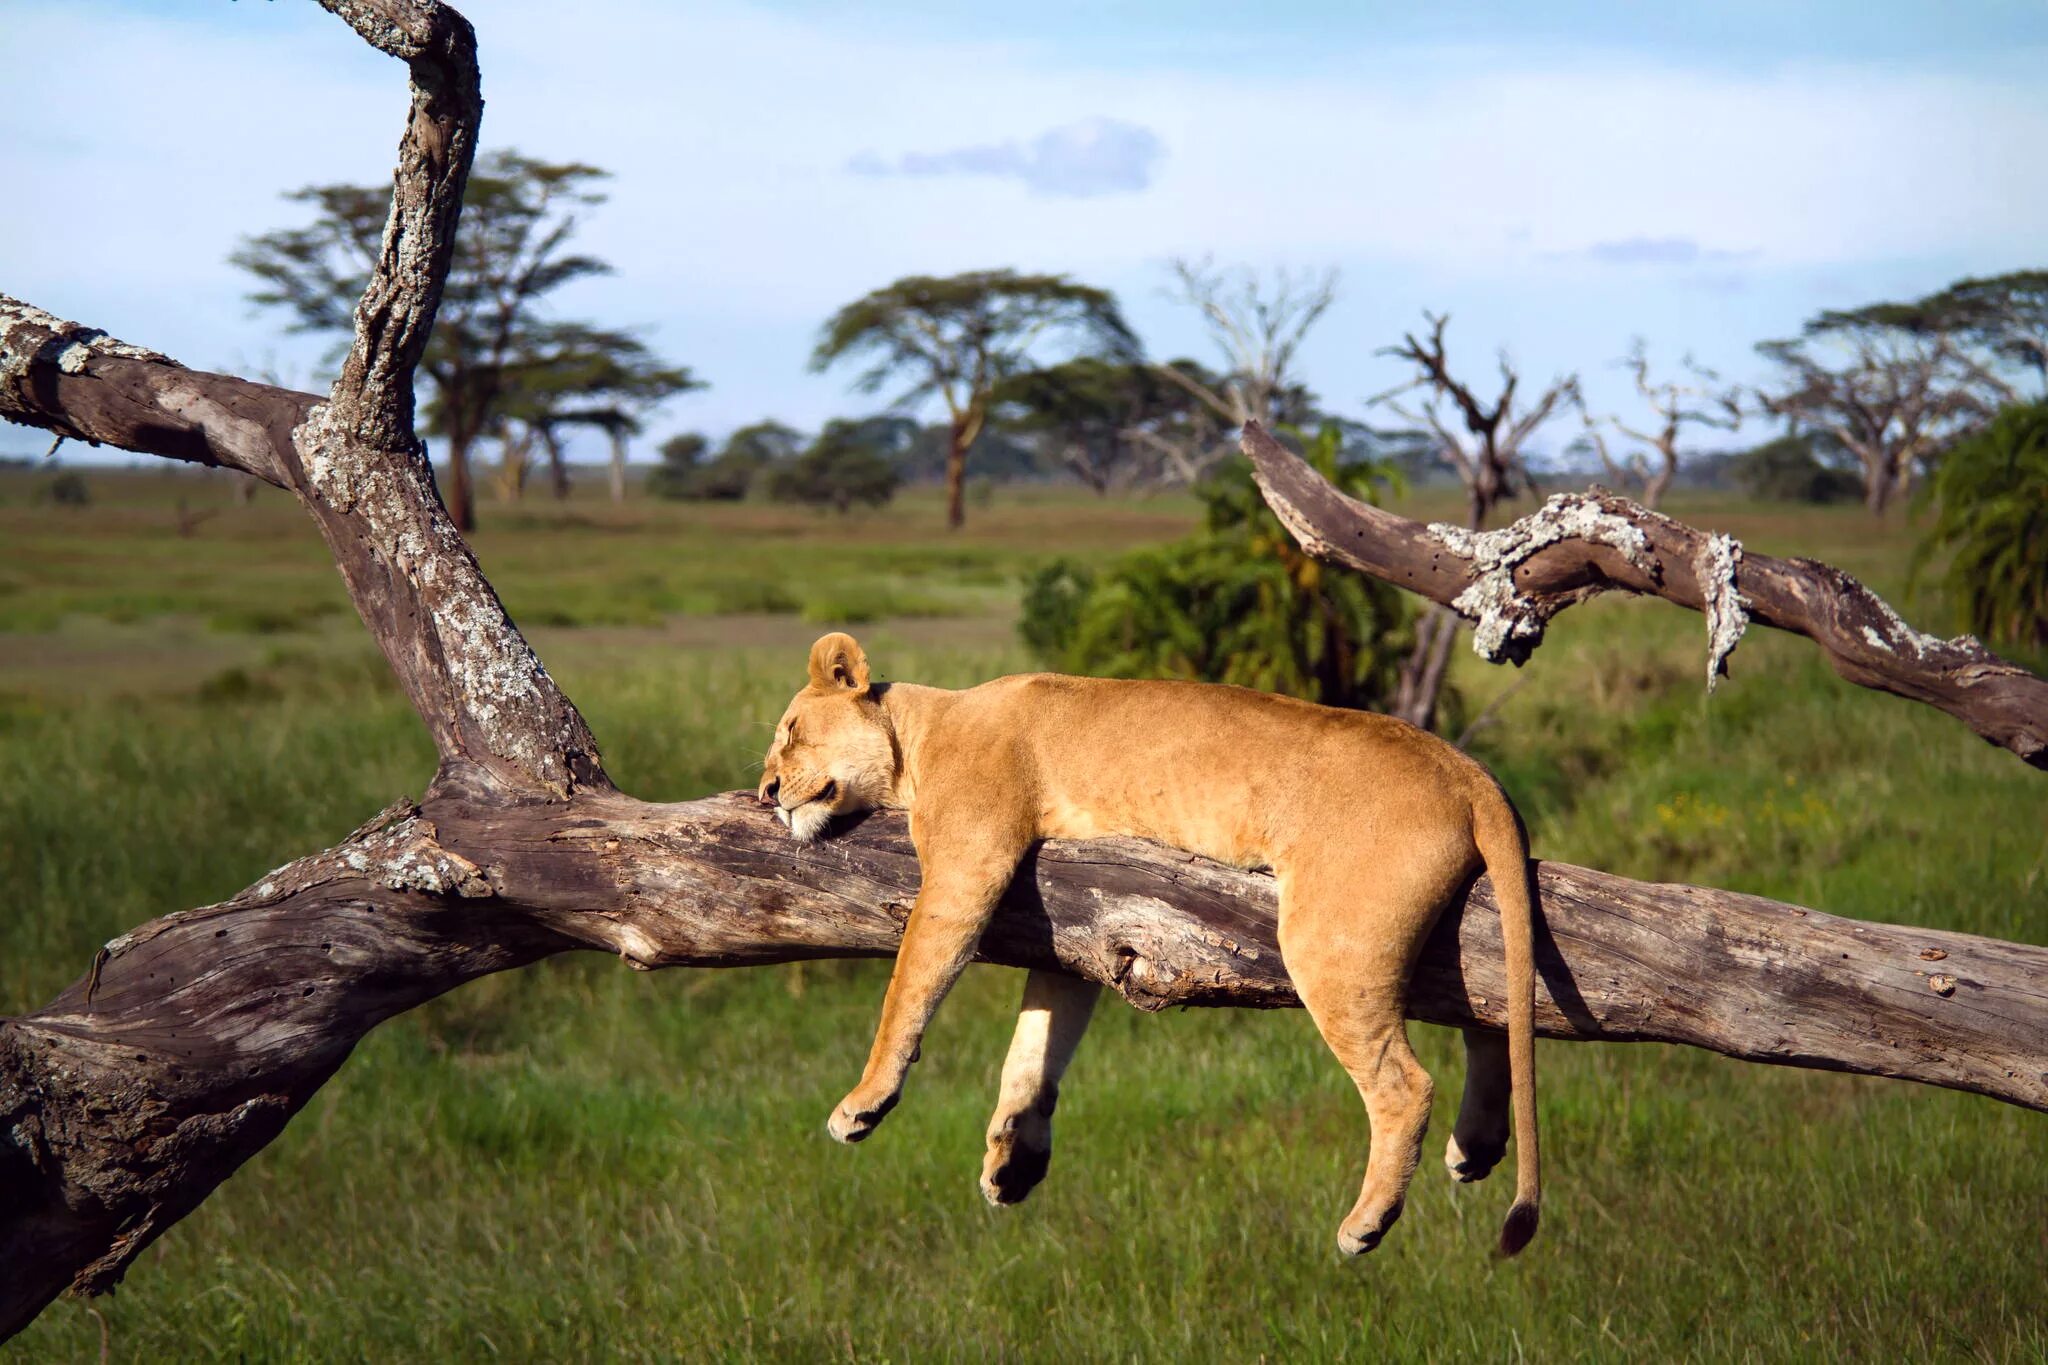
{"x": 461, "y": 496}
{"x": 1422, "y": 675}
{"x": 1421, "y": 684}
{"x": 558, "y": 468}
{"x": 618, "y": 470}
{"x": 1085, "y": 468}
{"x": 514, "y": 465}
{"x": 1477, "y": 504}
{"x": 1657, "y": 484}
{"x": 1877, "y": 489}
{"x": 956, "y": 476}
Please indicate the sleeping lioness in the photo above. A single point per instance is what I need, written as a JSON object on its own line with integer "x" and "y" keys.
{"x": 1370, "y": 827}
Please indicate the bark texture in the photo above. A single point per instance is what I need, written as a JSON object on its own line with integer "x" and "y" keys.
{"x": 1509, "y": 583}
{"x": 191, "y": 1041}
{"x": 188, "y": 1043}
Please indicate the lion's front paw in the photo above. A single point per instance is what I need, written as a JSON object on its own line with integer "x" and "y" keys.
{"x": 855, "y": 1118}
{"x": 1362, "y": 1231}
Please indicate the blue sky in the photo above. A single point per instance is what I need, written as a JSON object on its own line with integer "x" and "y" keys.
{"x": 1559, "y": 177}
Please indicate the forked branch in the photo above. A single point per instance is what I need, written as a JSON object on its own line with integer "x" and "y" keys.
{"x": 1509, "y": 583}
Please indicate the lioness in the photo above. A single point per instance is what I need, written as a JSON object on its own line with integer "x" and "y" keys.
{"x": 1370, "y": 827}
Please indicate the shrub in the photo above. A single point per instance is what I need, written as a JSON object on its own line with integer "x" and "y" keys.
{"x": 839, "y": 470}
{"x": 1992, "y": 493}
{"x": 684, "y": 474}
{"x": 1788, "y": 470}
{"x": 69, "y": 489}
{"x": 1238, "y": 603}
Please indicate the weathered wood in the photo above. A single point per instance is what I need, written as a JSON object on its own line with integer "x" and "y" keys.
{"x": 1509, "y": 583}
{"x": 190, "y": 1042}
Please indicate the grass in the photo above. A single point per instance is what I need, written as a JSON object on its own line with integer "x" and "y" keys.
{"x": 577, "y": 1161}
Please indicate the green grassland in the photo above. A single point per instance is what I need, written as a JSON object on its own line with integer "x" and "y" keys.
{"x": 576, "y": 1161}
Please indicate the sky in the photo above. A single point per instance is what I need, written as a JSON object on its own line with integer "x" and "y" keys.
{"x": 1558, "y": 178}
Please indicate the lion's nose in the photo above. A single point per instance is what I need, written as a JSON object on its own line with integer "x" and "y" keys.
{"x": 768, "y": 792}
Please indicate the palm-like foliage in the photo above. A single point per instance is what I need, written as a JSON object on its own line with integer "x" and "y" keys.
{"x": 1992, "y": 523}
{"x": 1239, "y": 603}
{"x": 497, "y": 364}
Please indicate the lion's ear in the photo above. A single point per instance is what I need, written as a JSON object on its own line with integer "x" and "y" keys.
{"x": 837, "y": 662}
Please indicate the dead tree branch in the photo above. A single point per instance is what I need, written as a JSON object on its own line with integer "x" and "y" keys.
{"x": 1509, "y": 583}
{"x": 194, "y": 1038}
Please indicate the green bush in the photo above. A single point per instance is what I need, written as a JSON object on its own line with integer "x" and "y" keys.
{"x": 838, "y": 471}
{"x": 1788, "y": 470}
{"x": 69, "y": 489}
{"x": 1238, "y": 603}
{"x": 729, "y": 476}
{"x": 684, "y": 475}
{"x": 1992, "y": 492}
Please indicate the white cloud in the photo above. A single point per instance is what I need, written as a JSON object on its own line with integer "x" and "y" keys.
{"x": 1653, "y": 251}
{"x": 1077, "y": 161}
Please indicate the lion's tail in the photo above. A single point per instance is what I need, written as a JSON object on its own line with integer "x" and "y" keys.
{"x": 1498, "y": 833}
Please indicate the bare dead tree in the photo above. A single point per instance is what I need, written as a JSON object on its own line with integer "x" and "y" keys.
{"x": 1703, "y": 401}
{"x": 189, "y": 519}
{"x": 188, "y": 1043}
{"x": 1487, "y": 456}
{"x": 1257, "y": 325}
{"x": 1889, "y": 396}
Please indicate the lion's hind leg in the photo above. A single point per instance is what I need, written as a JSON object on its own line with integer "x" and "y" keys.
{"x": 1349, "y": 947}
{"x": 1050, "y": 1023}
{"x": 1480, "y": 1138}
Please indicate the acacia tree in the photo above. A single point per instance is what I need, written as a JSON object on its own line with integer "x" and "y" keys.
{"x": 1892, "y": 397}
{"x": 1677, "y": 404}
{"x": 958, "y": 336}
{"x": 1487, "y": 457}
{"x": 2006, "y": 316}
{"x": 187, "y": 1044}
{"x": 511, "y": 253}
{"x": 1090, "y": 414}
{"x": 576, "y": 375}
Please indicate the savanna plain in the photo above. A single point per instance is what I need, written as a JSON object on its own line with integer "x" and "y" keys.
{"x": 577, "y": 1161}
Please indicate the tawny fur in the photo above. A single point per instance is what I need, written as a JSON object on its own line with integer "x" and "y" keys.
{"x": 1370, "y": 827}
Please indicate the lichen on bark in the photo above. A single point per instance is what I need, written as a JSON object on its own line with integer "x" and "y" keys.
{"x": 1726, "y": 609}
{"x": 1507, "y": 626}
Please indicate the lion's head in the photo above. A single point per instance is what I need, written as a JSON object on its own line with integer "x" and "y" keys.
{"x": 833, "y": 752}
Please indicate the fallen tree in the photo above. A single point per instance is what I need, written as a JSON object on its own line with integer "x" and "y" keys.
{"x": 187, "y": 1044}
